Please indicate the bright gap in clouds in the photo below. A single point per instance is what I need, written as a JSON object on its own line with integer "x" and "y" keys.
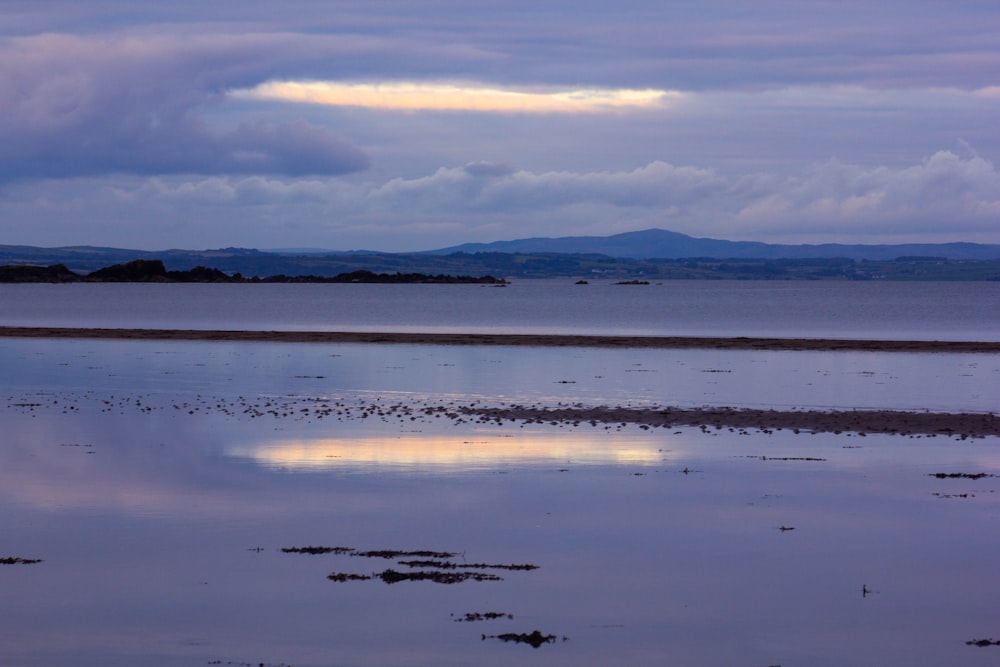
{"x": 405, "y": 96}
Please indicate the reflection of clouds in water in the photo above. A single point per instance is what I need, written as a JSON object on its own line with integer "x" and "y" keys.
{"x": 171, "y": 463}
{"x": 622, "y": 541}
{"x": 132, "y": 463}
{"x": 441, "y": 454}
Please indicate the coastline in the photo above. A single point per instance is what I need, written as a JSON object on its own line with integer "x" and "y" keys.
{"x": 529, "y": 340}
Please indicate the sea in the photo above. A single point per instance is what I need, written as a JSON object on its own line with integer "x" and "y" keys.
{"x": 890, "y": 310}
{"x": 173, "y": 503}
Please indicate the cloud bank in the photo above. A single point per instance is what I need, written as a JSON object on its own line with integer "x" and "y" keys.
{"x": 831, "y": 202}
{"x": 73, "y": 106}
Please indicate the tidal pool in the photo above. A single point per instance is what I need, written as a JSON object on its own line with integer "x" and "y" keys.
{"x": 161, "y": 485}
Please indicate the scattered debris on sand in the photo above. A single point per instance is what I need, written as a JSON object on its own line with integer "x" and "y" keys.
{"x": 709, "y": 419}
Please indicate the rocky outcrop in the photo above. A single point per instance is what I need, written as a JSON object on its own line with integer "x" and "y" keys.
{"x": 57, "y": 273}
{"x": 154, "y": 271}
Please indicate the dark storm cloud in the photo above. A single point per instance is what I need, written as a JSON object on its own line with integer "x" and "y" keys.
{"x": 714, "y": 44}
{"x": 73, "y": 106}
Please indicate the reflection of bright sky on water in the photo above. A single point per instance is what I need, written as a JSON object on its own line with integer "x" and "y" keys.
{"x": 443, "y": 453}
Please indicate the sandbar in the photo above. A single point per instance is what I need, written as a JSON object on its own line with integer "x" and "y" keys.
{"x": 504, "y": 339}
{"x": 863, "y": 421}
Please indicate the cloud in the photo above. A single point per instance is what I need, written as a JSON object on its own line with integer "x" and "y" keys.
{"x": 363, "y": 124}
{"x": 487, "y": 169}
{"x": 72, "y": 106}
{"x": 941, "y": 193}
{"x": 476, "y": 97}
{"x": 944, "y": 197}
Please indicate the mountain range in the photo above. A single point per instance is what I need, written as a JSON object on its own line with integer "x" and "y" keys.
{"x": 664, "y": 244}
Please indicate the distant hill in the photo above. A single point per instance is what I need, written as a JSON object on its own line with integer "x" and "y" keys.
{"x": 652, "y": 254}
{"x": 663, "y": 244}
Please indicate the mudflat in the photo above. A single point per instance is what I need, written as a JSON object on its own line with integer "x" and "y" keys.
{"x": 533, "y": 340}
{"x": 960, "y": 425}
{"x": 860, "y": 421}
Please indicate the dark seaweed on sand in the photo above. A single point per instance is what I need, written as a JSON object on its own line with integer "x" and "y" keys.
{"x": 983, "y": 642}
{"x": 392, "y": 553}
{"x": 316, "y": 550}
{"x": 474, "y": 616}
{"x": 449, "y": 565}
{"x": 961, "y": 475}
{"x": 391, "y": 576}
{"x": 346, "y": 576}
{"x": 535, "y": 638}
{"x": 13, "y": 560}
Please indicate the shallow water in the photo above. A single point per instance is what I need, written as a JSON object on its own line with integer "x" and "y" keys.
{"x": 773, "y": 379}
{"x": 945, "y": 311}
{"x": 158, "y": 482}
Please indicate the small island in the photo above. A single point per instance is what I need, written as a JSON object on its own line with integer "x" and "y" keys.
{"x": 154, "y": 271}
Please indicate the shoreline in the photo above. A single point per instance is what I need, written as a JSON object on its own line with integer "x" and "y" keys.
{"x": 526, "y": 340}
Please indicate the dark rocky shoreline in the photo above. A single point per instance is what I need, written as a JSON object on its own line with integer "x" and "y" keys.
{"x": 154, "y": 271}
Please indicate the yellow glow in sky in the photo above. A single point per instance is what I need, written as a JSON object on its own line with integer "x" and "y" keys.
{"x": 449, "y": 453}
{"x": 403, "y": 96}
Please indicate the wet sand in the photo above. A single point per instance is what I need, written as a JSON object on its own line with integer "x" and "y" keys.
{"x": 862, "y": 422}
{"x": 532, "y": 340}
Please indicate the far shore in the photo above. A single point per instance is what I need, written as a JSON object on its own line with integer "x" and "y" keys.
{"x": 526, "y": 340}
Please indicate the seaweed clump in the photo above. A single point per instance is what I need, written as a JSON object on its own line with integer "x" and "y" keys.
{"x": 347, "y": 576}
{"x": 13, "y": 560}
{"x": 474, "y": 616}
{"x": 961, "y": 475}
{"x": 534, "y": 638}
{"x": 427, "y": 565}
{"x": 391, "y": 576}
{"x": 315, "y": 551}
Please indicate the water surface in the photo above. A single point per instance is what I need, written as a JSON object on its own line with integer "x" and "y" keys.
{"x": 945, "y": 311}
{"x": 159, "y": 483}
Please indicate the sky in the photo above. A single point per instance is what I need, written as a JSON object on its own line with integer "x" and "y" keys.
{"x": 403, "y": 125}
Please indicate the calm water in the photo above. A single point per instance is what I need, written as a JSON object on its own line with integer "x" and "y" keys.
{"x": 159, "y": 481}
{"x": 956, "y": 311}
